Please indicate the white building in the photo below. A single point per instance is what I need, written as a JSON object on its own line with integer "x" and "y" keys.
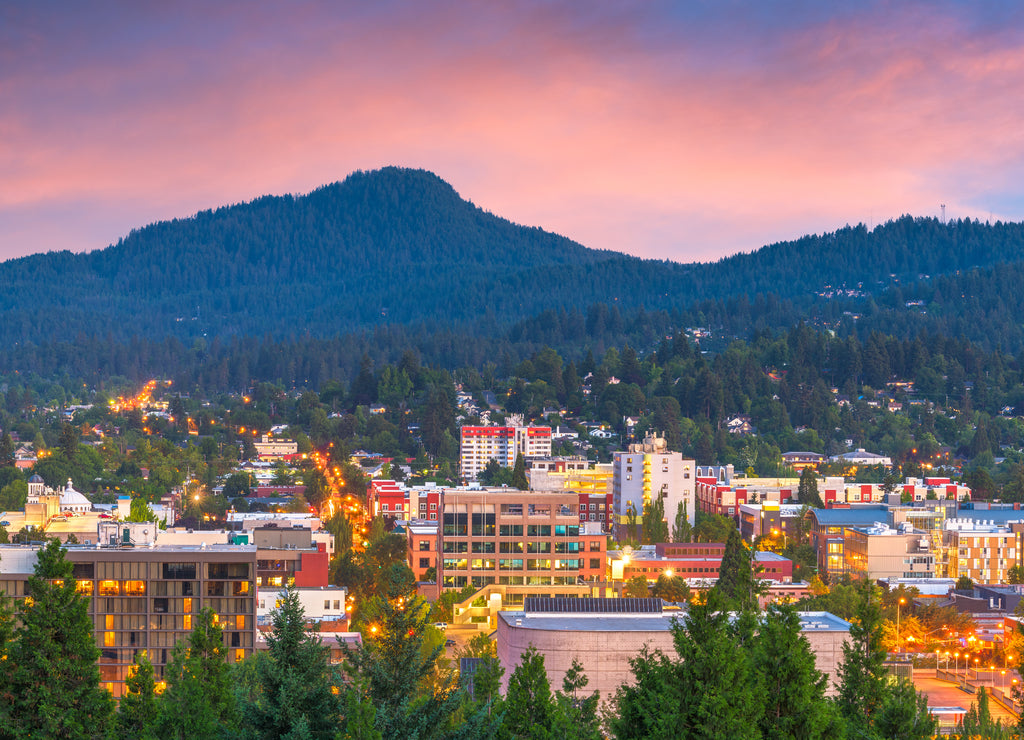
{"x": 861, "y": 457}
{"x": 480, "y": 445}
{"x": 649, "y": 469}
{"x": 324, "y": 604}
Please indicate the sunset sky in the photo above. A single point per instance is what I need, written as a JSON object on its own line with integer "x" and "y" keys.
{"x": 675, "y": 130}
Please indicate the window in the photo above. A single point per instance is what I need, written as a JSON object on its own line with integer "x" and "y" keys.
{"x": 327, "y": 604}
{"x": 424, "y": 545}
{"x": 424, "y": 562}
{"x": 595, "y": 546}
{"x": 595, "y": 563}
{"x": 337, "y": 604}
{"x": 433, "y": 507}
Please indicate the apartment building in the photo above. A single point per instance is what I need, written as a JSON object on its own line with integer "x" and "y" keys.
{"x": 145, "y": 598}
{"x": 647, "y": 470}
{"x": 981, "y": 549}
{"x": 480, "y": 445}
{"x": 517, "y": 538}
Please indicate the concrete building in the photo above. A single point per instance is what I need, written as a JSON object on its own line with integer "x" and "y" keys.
{"x": 882, "y": 552}
{"x": 145, "y": 598}
{"x": 592, "y": 482}
{"x": 517, "y": 538}
{"x": 480, "y": 445}
{"x": 646, "y": 470}
{"x": 604, "y": 634}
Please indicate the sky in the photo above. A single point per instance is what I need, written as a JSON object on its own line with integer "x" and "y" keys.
{"x": 673, "y": 130}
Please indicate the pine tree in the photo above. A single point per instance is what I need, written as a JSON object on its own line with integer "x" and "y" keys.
{"x": 293, "y": 680}
{"x": 861, "y": 688}
{"x": 530, "y": 709}
{"x": 682, "y": 531}
{"x": 794, "y": 690}
{"x": 519, "y": 479}
{"x": 736, "y": 576}
{"x": 808, "y": 490}
{"x": 137, "y": 712}
{"x": 199, "y": 703}
{"x": 903, "y": 714}
{"x": 53, "y": 678}
{"x": 398, "y": 669}
{"x": 719, "y": 690}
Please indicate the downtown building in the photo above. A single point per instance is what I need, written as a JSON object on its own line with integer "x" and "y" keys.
{"x": 145, "y": 598}
{"x": 480, "y": 445}
{"x": 532, "y": 541}
{"x": 648, "y": 470}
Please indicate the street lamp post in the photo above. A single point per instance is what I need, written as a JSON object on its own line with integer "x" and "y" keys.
{"x": 898, "y": 605}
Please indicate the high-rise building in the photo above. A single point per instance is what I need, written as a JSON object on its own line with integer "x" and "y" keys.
{"x": 480, "y": 445}
{"x": 647, "y": 470}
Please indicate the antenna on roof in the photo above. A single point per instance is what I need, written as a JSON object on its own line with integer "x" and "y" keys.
{"x": 943, "y": 207}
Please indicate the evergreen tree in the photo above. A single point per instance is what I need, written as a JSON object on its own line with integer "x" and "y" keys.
{"x": 903, "y": 714}
{"x": 720, "y": 692}
{"x": 794, "y": 690}
{"x": 655, "y": 528}
{"x": 530, "y": 709}
{"x": 682, "y": 531}
{"x": 137, "y": 711}
{"x": 398, "y": 669}
{"x": 736, "y": 576}
{"x": 808, "y": 490}
{"x": 199, "y": 703}
{"x": 293, "y": 680}
{"x": 519, "y": 479}
{"x": 861, "y": 688}
{"x": 52, "y": 678}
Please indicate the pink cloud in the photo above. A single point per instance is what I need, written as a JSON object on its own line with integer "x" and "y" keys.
{"x": 576, "y": 127}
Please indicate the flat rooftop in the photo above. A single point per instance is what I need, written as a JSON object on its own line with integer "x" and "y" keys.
{"x": 640, "y": 622}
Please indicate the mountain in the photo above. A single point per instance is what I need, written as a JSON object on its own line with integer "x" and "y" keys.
{"x": 399, "y": 247}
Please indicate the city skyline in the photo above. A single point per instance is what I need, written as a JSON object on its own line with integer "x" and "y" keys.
{"x": 682, "y": 132}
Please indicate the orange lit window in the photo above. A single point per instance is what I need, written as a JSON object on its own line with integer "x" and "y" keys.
{"x": 240, "y": 622}
{"x": 108, "y": 639}
{"x": 216, "y": 618}
{"x": 84, "y": 587}
{"x": 239, "y": 655}
{"x": 108, "y": 621}
{"x": 135, "y": 588}
{"x": 188, "y": 622}
{"x": 188, "y": 604}
{"x": 109, "y": 588}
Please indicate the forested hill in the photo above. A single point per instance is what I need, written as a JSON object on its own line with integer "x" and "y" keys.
{"x": 399, "y": 247}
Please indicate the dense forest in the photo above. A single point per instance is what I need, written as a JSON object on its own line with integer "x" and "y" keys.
{"x": 399, "y": 248}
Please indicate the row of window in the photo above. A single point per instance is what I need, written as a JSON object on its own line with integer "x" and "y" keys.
{"x": 514, "y": 564}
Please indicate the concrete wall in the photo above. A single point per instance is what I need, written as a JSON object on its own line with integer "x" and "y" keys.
{"x": 605, "y": 655}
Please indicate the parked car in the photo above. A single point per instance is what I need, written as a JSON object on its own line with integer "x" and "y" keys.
{"x": 5, "y": 523}
{"x": 449, "y": 642}
{"x": 441, "y": 625}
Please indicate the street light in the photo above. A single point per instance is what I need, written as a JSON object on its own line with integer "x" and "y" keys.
{"x": 898, "y": 605}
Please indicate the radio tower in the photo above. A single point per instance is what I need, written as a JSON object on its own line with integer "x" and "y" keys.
{"x": 943, "y": 207}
